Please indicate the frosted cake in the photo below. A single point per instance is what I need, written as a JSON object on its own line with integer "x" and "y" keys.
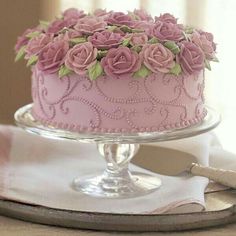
{"x": 112, "y": 72}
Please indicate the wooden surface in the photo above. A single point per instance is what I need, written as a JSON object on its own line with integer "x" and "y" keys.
{"x": 11, "y": 227}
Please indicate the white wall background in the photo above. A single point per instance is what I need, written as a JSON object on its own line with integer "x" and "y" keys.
{"x": 216, "y": 16}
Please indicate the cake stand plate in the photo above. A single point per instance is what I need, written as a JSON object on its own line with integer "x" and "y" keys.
{"x": 117, "y": 149}
{"x": 220, "y": 210}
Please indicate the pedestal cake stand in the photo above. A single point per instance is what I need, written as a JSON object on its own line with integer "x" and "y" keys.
{"x": 118, "y": 149}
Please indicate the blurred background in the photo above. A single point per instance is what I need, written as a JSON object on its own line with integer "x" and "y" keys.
{"x": 216, "y": 16}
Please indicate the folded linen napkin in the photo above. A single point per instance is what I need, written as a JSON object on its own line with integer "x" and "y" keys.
{"x": 39, "y": 171}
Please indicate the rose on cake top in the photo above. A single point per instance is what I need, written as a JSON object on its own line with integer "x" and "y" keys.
{"x": 116, "y": 44}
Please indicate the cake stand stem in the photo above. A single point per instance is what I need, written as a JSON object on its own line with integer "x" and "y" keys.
{"x": 117, "y": 180}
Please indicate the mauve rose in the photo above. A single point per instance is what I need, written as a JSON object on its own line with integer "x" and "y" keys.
{"x": 157, "y": 58}
{"x": 36, "y": 44}
{"x": 147, "y": 27}
{"x": 167, "y": 31}
{"x": 191, "y": 58}
{"x": 71, "y": 33}
{"x": 73, "y": 13}
{"x": 23, "y": 39}
{"x": 102, "y": 13}
{"x": 105, "y": 40}
{"x": 121, "y": 62}
{"x": 89, "y": 25}
{"x": 56, "y": 26}
{"x": 119, "y": 18}
{"x": 143, "y": 15}
{"x": 81, "y": 57}
{"x": 138, "y": 39}
{"x": 205, "y": 41}
{"x": 52, "y": 56}
{"x": 167, "y": 17}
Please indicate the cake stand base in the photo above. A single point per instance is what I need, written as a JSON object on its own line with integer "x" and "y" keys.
{"x": 135, "y": 185}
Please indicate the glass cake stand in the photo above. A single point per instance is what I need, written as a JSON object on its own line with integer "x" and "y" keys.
{"x": 117, "y": 149}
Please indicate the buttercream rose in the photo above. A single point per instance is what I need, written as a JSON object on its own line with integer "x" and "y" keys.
{"x": 36, "y": 44}
{"x": 102, "y": 13}
{"x": 157, "y": 58}
{"x": 147, "y": 27}
{"x": 89, "y": 25}
{"x": 81, "y": 57}
{"x": 167, "y": 17}
{"x": 23, "y": 39}
{"x": 52, "y": 56}
{"x": 142, "y": 15}
{"x": 119, "y": 18}
{"x": 167, "y": 31}
{"x": 191, "y": 58}
{"x": 105, "y": 40}
{"x": 73, "y": 13}
{"x": 56, "y": 26}
{"x": 205, "y": 41}
{"x": 121, "y": 62}
{"x": 138, "y": 39}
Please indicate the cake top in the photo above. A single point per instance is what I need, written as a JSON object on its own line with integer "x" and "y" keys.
{"x": 116, "y": 44}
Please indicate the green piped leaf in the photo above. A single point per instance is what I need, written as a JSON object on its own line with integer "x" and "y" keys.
{"x": 188, "y": 30}
{"x": 78, "y": 40}
{"x": 215, "y": 59}
{"x": 101, "y": 54}
{"x": 143, "y": 72}
{"x": 126, "y": 42}
{"x": 126, "y": 29}
{"x": 207, "y": 65}
{"x": 112, "y": 28}
{"x": 33, "y": 34}
{"x": 20, "y": 54}
{"x": 95, "y": 71}
{"x": 32, "y": 61}
{"x": 176, "y": 70}
{"x": 64, "y": 71}
{"x": 44, "y": 24}
{"x": 172, "y": 46}
{"x": 136, "y": 48}
{"x": 153, "y": 40}
{"x": 137, "y": 31}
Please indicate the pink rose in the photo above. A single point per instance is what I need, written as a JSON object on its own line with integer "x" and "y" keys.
{"x": 102, "y": 13}
{"x": 71, "y": 33}
{"x": 205, "y": 41}
{"x": 167, "y": 31}
{"x": 73, "y": 13}
{"x": 89, "y": 25}
{"x": 147, "y": 27}
{"x": 56, "y": 26}
{"x": 156, "y": 58}
{"x": 143, "y": 15}
{"x": 167, "y": 17}
{"x": 52, "y": 56}
{"x": 119, "y": 18}
{"x": 36, "y": 44}
{"x": 191, "y": 58}
{"x": 105, "y": 40}
{"x": 81, "y": 57}
{"x": 138, "y": 39}
{"x": 121, "y": 62}
{"x": 23, "y": 39}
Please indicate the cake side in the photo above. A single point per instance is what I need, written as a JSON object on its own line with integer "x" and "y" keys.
{"x": 156, "y": 103}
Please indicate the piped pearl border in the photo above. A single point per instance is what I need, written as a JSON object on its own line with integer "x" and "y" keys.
{"x": 84, "y": 129}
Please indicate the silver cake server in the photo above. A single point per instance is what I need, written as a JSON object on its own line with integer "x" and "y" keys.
{"x": 172, "y": 162}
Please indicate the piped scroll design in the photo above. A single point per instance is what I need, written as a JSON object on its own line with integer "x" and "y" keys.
{"x": 140, "y": 102}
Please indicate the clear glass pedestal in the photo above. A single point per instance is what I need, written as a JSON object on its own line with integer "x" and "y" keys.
{"x": 118, "y": 149}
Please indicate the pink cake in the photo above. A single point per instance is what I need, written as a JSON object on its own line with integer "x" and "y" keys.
{"x": 112, "y": 72}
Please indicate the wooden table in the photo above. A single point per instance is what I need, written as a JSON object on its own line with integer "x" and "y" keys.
{"x": 12, "y": 227}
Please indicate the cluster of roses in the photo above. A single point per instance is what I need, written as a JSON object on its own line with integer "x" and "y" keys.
{"x": 116, "y": 44}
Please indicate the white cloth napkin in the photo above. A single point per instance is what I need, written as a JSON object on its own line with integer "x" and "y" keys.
{"x": 39, "y": 171}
